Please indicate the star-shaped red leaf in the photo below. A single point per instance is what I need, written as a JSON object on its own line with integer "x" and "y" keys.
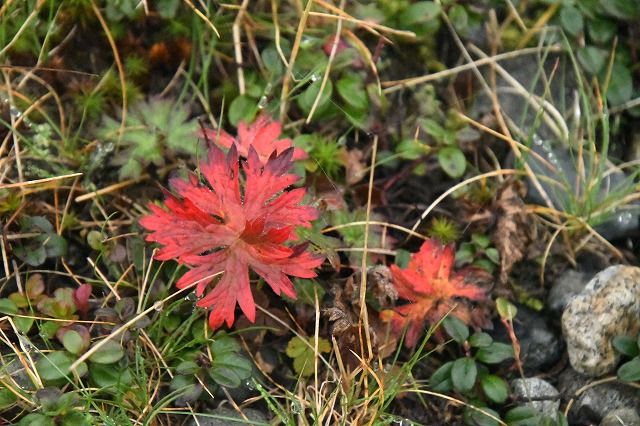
{"x": 432, "y": 289}
{"x": 223, "y": 226}
{"x": 263, "y": 135}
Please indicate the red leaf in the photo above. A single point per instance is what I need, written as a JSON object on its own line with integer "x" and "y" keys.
{"x": 81, "y": 297}
{"x": 217, "y": 228}
{"x": 431, "y": 288}
{"x": 263, "y": 135}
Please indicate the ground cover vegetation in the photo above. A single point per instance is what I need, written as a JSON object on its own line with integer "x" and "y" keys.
{"x": 303, "y": 212}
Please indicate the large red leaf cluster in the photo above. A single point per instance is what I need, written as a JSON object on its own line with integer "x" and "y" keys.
{"x": 239, "y": 218}
{"x": 432, "y": 289}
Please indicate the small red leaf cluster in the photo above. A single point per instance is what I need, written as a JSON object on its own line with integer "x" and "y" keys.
{"x": 231, "y": 223}
{"x": 432, "y": 289}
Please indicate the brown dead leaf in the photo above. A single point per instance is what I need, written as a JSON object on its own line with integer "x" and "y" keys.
{"x": 354, "y": 165}
{"x": 512, "y": 233}
{"x": 345, "y": 314}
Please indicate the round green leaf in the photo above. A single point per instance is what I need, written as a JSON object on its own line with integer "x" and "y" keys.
{"x": 456, "y": 328}
{"x": 620, "y": 87}
{"x": 8, "y": 306}
{"x": 243, "y": 108}
{"x": 463, "y": 374}
{"x": 480, "y": 418}
{"x": 630, "y": 371}
{"x": 110, "y": 353}
{"x": 105, "y": 375}
{"x": 592, "y": 59}
{"x": 73, "y": 342}
{"x": 626, "y": 345}
{"x": 571, "y": 20}
{"x": 452, "y": 161}
{"x": 495, "y": 388}
{"x": 230, "y": 369}
{"x": 308, "y": 97}
{"x": 54, "y": 365}
{"x": 480, "y": 340}
{"x": 351, "y": 89}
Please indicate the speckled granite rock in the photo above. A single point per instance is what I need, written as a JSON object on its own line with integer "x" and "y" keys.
{"x": 621, "y": 417}
{"x": 544, "y": 397}
{"x": 608, "y": 306}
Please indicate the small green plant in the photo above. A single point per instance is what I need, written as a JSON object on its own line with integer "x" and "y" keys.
{"x": 41, "y": 241}
{"x": 154, "y": 131}
{"x": 444, "y": 230}
{"x": 57, "y": 408}
{"x": 479, "y": 253}
{"x": 228, "y": 368}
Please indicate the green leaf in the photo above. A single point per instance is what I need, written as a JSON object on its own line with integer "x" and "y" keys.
{"x": 481, "y": 240}
{"x": 223, "y": 343}
{"x": 110, "y": 353}
{"x": 495, "y": 353}
{"x": 55, "y": 246}
{"x": 36, "y": 419}
{"x": 31, "y": 255}
{"x": 626, "y": 10}
{"x": 495, "y": 388}
{"x": 522, "y": 416}
{"x": 626, "y": 345}
{"x": 571, "y": 20}
{"x": 620, "y": 86}
{"x": 303, "y": 354}
{"x": 109, "y": 375}
{"x": 230, "y": 369}
{"x": 601, "y": 30}
{"x": 506, "y": 309}
{"x": 76, "y": 418}
{"x": 243, "y": 108}
{"x": 456, "y": 328}
{"x": 8, "y": 306}
{"x": 308, "y": 97}
{"x": 54, "y": 365}
{"x": 7, "y": 398}
{"x": 592, "y": 59}
{"x": 480, "y": 340}
{"x": 351, "y": 89}
{"x": 493, "y": 255}
{"x": 463, "y": 374}
{"x": 420, "y": 12}
{"x": 452, "y": 161}
{"x": 440, "y": 380}
{"x": 630, "y": 371}
{"x": 187, "y": 367}
{"x": 73, "y": 342}
{"x": 479, "y": 418}
{"x": 459, "y": 18}
{"x": 412, "y": 149}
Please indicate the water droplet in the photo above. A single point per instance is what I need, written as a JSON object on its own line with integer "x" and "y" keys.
{"x": 191, "y": 297}
{"x": 249, "y": 384}
{"x": 158, "y": 306}
{"x": 314, "y": 78}
{"x": 296, "y": 407}
{"x": 15, "y": 112}
{"x": 262, "y": 102}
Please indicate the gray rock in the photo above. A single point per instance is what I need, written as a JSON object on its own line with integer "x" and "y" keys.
{"x": 542, "y": 396}
{"x": 224, "y": 416}
{"x": 621, "y": 417}
{"x": 540, "y": 344}
{"x": 566, "y": 287}
{"x": 595, "y": 402}
{"x": 609, "y": 306}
